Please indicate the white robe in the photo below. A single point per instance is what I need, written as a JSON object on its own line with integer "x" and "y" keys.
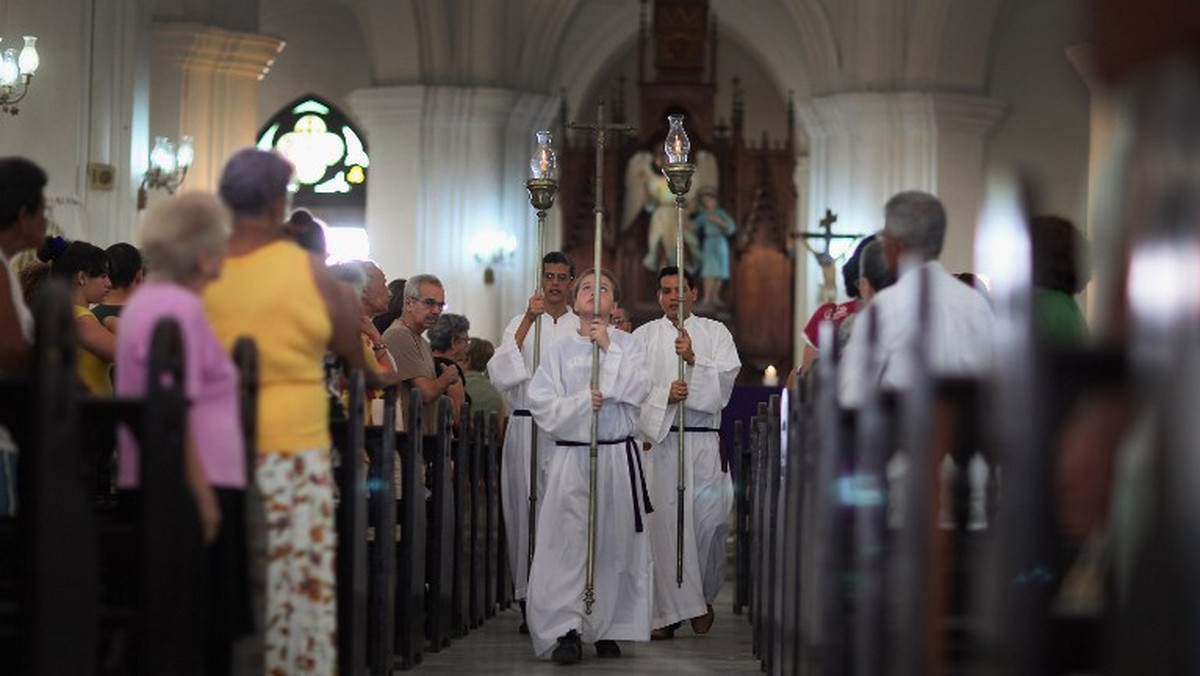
{"x": 509, "y": 370}
{"x": 560, "y": 398}
{"x": 708, "y": 494}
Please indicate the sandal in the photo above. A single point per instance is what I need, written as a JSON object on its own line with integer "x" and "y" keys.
{"x": 704, "y": 622}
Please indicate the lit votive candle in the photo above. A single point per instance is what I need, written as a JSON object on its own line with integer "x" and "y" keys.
{"x": 770, "y": 377}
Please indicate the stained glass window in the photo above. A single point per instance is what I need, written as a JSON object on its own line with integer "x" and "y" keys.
{"x": 330, "y": 155}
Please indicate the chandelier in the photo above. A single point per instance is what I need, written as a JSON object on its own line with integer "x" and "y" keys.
{"x": 168, "y": 166}
{"x": 16, "y": 73}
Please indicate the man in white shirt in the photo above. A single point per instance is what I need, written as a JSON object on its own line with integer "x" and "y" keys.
{"x": 961, "y": 322}
{"x": 510, "y": 370}
{"x": 711, "y": 366}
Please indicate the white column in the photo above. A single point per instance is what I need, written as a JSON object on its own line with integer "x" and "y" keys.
{"x": 391, "y": 120}
{"x": 448, "y": 163}
{"x": 867, "y": 146}
{"x": 204, "y": 84}
{"x": 963, "y": 126}
{"x": 1105, "y": 117}
{"x": 118, "y": 105}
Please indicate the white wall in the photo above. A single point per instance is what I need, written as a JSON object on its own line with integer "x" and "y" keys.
{"x": 1045, "y": 130}
{"x": 325, "y": 54}
{"x": 51, "y": 127}
{"x": 86, "y": 104}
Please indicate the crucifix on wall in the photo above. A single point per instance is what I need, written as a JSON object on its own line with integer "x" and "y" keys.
{"x": 824, "y": 233}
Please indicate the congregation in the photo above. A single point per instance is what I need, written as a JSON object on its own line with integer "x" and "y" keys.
{"x": 239, "y": 264}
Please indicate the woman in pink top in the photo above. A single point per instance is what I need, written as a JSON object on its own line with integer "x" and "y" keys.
{"x": 184, "y": 241}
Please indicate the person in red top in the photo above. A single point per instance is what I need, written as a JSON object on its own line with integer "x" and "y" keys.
{"x": 834, "y": 312}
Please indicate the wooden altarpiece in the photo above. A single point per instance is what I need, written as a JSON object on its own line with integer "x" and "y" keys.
{"x": 755, "y": 185}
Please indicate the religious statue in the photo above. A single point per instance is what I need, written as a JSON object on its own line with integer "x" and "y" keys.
{"x": 715, "y": 227}
{"x": 646, "y": 190}
{"x": 660, "y": 203}
{"x": 827, "y": 293}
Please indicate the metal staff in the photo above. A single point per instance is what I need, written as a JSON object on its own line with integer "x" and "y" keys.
{"x": 679, "y": 179}
{"x": 601, "y": 130}
{"x": 542, "y": 187}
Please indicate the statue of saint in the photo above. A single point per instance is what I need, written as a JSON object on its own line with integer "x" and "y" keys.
{"x": 646, "y": 190}
{"x": 715, "y": 227}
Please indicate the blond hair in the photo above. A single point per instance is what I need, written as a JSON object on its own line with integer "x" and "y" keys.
{"x": 178, "y": 230}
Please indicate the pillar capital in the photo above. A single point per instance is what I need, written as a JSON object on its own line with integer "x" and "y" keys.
{"x": 193, "y": 46}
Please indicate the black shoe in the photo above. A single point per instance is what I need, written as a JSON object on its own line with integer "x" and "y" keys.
{"x": 524, "y": 628}
{"x": 569, "y": 649}
{"x": 607, "y": 649}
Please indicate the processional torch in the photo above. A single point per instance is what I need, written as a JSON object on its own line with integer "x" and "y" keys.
{"x": 679, "y": 179}
{"x": 601, "y": 130}
{"x": 542, "y": 186}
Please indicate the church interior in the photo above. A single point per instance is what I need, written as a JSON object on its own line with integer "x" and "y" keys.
{"x": 859, "y": 100}
{"x": 411, "y": 125}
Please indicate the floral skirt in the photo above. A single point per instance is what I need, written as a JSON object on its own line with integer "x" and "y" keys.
{"x": 301, "y": 542}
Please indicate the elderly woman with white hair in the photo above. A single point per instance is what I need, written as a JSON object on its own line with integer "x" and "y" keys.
{"x": 184, "y": 240}
{"x": 287, "y": 301}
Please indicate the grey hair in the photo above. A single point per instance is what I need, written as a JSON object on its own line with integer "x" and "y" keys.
{"x": 448, "y": 325}
{"x": 178, "y": 230}
{"x": 352, "y": 273}
{"x": 412, "y": 287}
{"x": 918, "y": 221}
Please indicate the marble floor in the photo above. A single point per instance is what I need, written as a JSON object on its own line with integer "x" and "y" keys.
{"x": 497, "y": 648}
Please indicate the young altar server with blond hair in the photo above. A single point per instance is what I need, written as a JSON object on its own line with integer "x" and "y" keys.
{"x": 562, "y": 402}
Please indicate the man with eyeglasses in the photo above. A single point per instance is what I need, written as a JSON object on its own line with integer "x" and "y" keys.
{"x": 510, "y": 370}
{"x": 424, "y": 300}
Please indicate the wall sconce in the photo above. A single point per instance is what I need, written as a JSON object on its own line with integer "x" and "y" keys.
{"x": 16, "y": 73}
{"x": 490, "y": 248}
{"x": 168, "y": 166}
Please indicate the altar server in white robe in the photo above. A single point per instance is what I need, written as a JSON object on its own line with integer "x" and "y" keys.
{"x": 711, "y": 366}
{"x": 562, "y": 401}
{"x": 510, "y": 369}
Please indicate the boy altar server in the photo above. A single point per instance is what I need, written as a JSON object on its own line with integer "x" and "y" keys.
{"x": 562, "y": 402}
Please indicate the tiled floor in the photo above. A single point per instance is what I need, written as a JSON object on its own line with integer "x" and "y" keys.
{"x": 497, "y": 648}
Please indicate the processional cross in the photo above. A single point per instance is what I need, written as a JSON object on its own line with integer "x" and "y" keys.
{"x": 601, "y": 130}
{"x": 828, "y": 291}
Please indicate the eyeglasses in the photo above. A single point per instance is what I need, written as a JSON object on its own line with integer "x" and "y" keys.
{"x": 560, "y": 277}
{"x": 431, "y": 303}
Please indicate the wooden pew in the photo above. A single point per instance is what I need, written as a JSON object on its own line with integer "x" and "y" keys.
{"x": 59, "y": 564}
{"x": 410, "y": 551}
{"x": 460, "y": 452}
{"x": 381, "y": 553}
{"x": 494, "y": 553}
{"x": 170, "y": 627}
{"x": 740, "y": 461}
{"x": 760, "y": 499}
{"x": 440, "y": 538}
{"x": 351, "y": 518}
{"x": 476, "y": 476}
{"x": 152, "y": 592}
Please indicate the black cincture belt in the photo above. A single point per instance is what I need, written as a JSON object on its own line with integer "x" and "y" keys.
{"x": 636, "y": 475}
{"x": 689, "y": 428}
{"x": 522, "y": 413}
